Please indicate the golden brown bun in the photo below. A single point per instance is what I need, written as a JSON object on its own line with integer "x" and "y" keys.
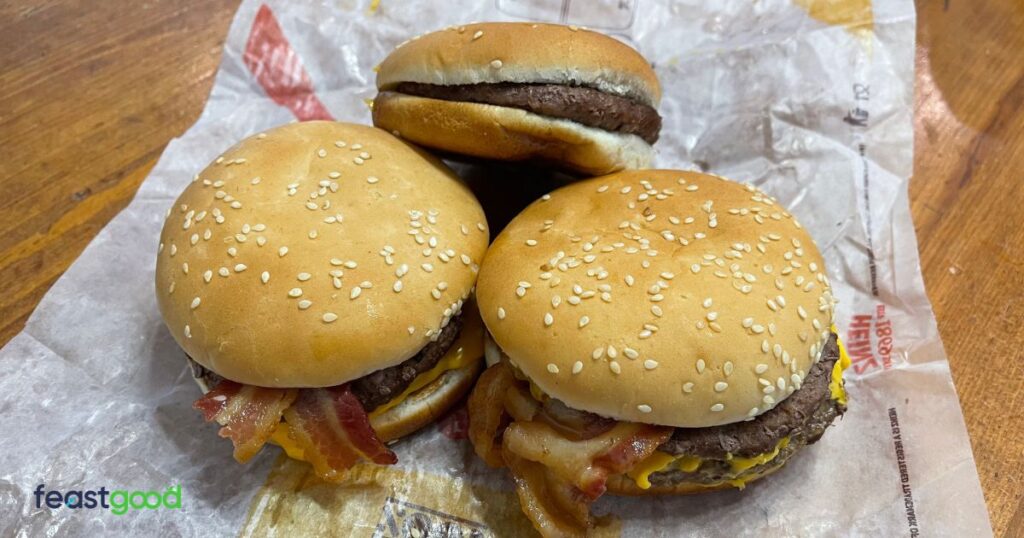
{"x": 419, "y": 408}
{"x": 699, "y": 337}
{"x": 326, "y": 310}
{"x": 427, "y": 404}
{"x": 507, "y": 133}
{"x": 527, "y": 52}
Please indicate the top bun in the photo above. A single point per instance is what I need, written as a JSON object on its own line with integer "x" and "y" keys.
{"x": 525, "y": 53}
{"x": 658, "y": 296}
{"x": 315, "y": 253}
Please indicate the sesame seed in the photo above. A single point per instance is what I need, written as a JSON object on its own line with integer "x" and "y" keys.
{"x": 748, "y": 323}
{"x": 195, "y": 303}
{"x": 207, "y": 275}
{"x": 240, "y": 267}
{"x": 577, "y": 367}
{"x": 615, "y": 368}
{"x": 496, "y": 64}
{"x": 644, "y": 408}
{"x": 397, "y": 286}
{"x": 372, "y": 179}
{"x": 328, "y": 317}
{"x": 700, "y": 366}
{"x": 721, "y": 386}
{"x": 650, "y": 364}
{"x": 712, "y": 316}
{"x": 223, "y": 271}
{"x": 597, "y": 353}
{"x": 265, "y": 276}
{"x": 521, "y": 291}
{"x": 295, "y": 292}
{"x": 548, "y": 319}
{"x": 282, "y": 251}
{"x": 366, "y": 284}
{"x": 478, "y": 35}
{"x": 355, "y": 292}
{"x": 552, "y": 368}
{"x": 688, "y": 387}
{"x": 351, "y": 264}
{"x": 531, "y": 242}
{"x": 303, "y": 277}
{"x": 717, "y": 407}
{"x": 312, "y": 234}
{"x": 695, "y": 268}
{"x": 188, "y": 332}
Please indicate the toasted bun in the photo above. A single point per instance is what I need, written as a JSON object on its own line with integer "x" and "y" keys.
{"x": 427, "y": 404}
{"x": 607, "y": 304}
{"x": 527, "y": 52}
{"x": 506, "y": 133}
{"x": 258, "y": 281}
{"x": 419, "y": 408}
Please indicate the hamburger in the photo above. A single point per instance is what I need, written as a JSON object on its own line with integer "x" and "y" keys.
{"x": 318, "y": 276}
{"x": 651, "y": 332}
{"x": 522, "y": 91}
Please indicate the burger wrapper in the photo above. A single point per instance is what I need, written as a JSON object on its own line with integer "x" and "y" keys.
{"x": 810, "y": 100}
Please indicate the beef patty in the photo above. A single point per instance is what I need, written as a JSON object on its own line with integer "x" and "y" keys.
{"x": 377, "y": 388}
{"x": 803, "y": 416}
{"x": 581, "y": 104}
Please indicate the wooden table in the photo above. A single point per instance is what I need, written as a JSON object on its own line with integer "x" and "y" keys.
{"x": 90, "y": 93}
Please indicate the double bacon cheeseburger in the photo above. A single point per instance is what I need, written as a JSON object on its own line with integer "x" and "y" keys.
{"x": 652, "y": 331}
{"x": 317, "y": 276}
{"x": 516, "y": 91}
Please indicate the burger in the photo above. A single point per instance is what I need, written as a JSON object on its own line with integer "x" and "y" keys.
{"x": 651, "y": 332}
{"x": 520, "y": 91}
{"x": 319, "y": 276}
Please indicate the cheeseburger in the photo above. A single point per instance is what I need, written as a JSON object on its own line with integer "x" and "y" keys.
{"x": 318, "y": 276}
{"x": 516, "y": 91}
{"x": 652, "y": 332}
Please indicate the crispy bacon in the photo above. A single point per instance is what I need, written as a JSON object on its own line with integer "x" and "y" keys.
{"x": 554, "y": 506}
{"x": 487, "y": 416}
{"x": 573, "y": 423}
{"x": 560, "y": 458}
{"x": 334, "y": 432}
{"x": 247, "y": 413}
{"x": 585, "y": 464}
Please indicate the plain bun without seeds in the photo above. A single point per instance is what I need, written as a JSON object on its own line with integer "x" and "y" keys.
{"x": 296, "y": 259}
{"x": 658, "y": 296}
{"x": 517, "y": 54}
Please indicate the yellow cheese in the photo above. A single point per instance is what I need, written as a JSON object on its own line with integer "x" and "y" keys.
{"x": 835, "y": 385}
{"x": 468, "y": 347}
{"x": 660, "y": 461}
{"x": 742, "y": 464}
{"x": 651, "y": 464}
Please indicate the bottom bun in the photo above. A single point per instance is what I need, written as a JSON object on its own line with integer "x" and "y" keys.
{"x": 427, "y": 404}
{"x": 419, "y": 408}
{"x": 624, "y": 485}
{"x": 510, "y": 134}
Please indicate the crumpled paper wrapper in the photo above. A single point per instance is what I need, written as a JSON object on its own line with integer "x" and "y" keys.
{"x": 811, "y": 101}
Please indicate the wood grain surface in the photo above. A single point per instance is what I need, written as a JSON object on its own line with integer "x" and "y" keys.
{"x": 91, "y": 92}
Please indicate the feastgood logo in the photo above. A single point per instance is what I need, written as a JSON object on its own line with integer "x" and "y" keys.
{"x": 118, "y": 501}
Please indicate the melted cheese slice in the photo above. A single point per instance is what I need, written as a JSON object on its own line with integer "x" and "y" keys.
{"x": 835, "y": 386}
{"x": 468, "y": 347}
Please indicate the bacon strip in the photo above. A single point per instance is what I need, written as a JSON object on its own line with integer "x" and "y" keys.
{"x": 555, "y": 507}
{"x": 332, "y": 428}
{"x": 487, "y": 416}
{"x": 247, "y": 413}
{"x": 585, "y": 464}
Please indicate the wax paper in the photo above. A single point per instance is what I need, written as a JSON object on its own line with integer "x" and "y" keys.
{"x": 812, "y": 101}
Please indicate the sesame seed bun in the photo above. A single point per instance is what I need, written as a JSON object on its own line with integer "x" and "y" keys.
{"x": 506, "y": 133}
{"x": 658, "y": 296}
{"x": 316, "y": 253}
{"x": 519, "y": 53}
{"x": 528, "y": 52}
